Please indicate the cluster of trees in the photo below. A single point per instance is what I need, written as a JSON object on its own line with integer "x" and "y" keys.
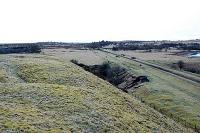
{"x": 123, "y": 45}
{"x": 22, "y": 48}
{"x": 183, "y": 46}
{"x": 193, "y": 46}
{"x": 106, "y": 71}
{"x": 114, "y": 74}
{"x": 133, "y": 47}
{"x": 144, "y": 45}
{"x": 126, "y": 45}
{"x": 100, "y": 44}
{"x": 111, "y": 73}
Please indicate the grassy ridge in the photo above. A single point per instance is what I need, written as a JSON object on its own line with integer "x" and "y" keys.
{"x": 56, "y": 96}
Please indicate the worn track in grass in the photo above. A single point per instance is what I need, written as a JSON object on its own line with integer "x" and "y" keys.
{"x": 188, "y": 77}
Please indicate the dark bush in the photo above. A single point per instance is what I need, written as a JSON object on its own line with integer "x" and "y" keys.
{"x": 180, "y": 64}
{"x": 74, "y": 61}
{"x": 34, "y": 49}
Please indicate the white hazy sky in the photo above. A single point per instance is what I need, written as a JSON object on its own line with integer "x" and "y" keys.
{"x": 93, "y": 20}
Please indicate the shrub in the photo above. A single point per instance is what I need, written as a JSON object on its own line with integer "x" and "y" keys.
{"x": 34, "y": 49}
{"x": 74, "y": 61}
{"x": 180, "y": 64}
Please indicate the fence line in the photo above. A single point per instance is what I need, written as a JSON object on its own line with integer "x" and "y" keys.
{"x": 175, "y": 118}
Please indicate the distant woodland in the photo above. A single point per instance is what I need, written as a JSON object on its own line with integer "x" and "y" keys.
{"x": 114, "y": 45}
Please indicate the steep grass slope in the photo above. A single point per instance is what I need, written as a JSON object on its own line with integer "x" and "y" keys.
{"x": 175, "y": 96}
{"x": 49, "y": 95}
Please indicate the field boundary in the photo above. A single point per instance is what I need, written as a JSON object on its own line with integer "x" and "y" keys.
{"x": 183, "y": 122}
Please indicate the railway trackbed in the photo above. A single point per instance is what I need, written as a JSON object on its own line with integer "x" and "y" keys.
{"x": 185, "y": 76}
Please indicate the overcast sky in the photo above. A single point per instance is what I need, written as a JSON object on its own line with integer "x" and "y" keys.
{"x": 93, "y": 20}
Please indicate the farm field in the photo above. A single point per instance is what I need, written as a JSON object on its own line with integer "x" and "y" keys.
{"x": 42, "y": 93}
{"x": 165, "y": 59}
{"x": 169, "y": 56}
{"x": 168, "y": 93}
{"x": 88, "y": 57}
{"x": 188, "y": 65}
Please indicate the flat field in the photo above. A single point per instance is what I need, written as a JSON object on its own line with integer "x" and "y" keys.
{"x": 169, "y": 56}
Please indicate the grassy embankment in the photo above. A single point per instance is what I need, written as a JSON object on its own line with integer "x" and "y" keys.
{"x": 168, "y": 93}
{"x": 49, "y": 95}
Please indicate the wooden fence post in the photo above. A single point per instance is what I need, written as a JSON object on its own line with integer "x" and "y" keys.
{"x": 171, "y": 115}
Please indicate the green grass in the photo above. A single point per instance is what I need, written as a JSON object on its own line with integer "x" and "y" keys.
{"x": 51, "y": 95}
{"x": 3, "y": 76}
{"x": 167, "y": 92}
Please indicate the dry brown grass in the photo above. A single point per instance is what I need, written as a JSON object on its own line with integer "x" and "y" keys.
{"x": 165, "y": 91}
{"x": 51, "y": 99}
{"x": 169, "y": 56}
{"x": 84, "y": 56}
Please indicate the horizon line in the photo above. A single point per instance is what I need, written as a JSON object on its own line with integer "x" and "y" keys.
{"x": 98, "y": 41}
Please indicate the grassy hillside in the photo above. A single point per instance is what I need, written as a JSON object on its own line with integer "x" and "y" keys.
{"x": 168, "y": 93}
{"x": 43, "y": 94}
{"x": 172, "y": 95}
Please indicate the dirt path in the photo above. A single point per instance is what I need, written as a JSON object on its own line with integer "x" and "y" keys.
{"x": 185, "y": 76}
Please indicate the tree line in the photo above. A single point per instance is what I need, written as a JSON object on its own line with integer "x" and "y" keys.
{"x": 20, "y": 48}
{"x": 181, "y": 46}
